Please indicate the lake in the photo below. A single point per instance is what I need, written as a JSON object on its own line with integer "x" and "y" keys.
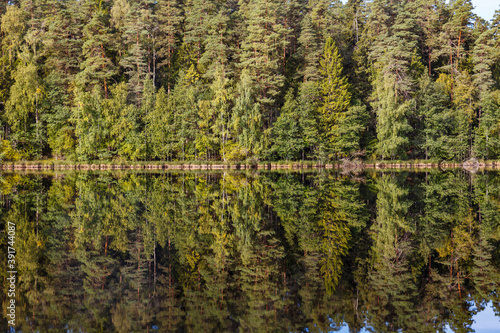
{"x": 253, "y": 251}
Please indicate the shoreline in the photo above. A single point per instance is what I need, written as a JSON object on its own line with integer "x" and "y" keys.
{"x": 242, "y": 166}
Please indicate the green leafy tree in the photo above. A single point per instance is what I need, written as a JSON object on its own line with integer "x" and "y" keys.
{"x": 246, "y": 121}
{"x": 25, "y": 103}
{"x": 161, "y": 126}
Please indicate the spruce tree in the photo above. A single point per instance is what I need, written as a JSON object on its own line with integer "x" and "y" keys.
{"x": 61, "y": 49}
{"x": 436, "y": 138}
{"x": 186, "y": 117}
{"x": 487, "y": 138}
{"x": 221, "y": 96}
{"x": 392, "y": 122}
{"x": 335, "y": 95}
{"x": 309, "y": 100}
{"x": 286, "y": 138}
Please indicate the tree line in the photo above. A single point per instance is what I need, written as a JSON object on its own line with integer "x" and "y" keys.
{"x": 295, "y": 252}
{"x": 248, "y": 80}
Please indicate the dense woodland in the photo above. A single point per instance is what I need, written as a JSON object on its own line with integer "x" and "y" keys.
{"x": 252, "y": 252}
{"x": 248, "y": 80}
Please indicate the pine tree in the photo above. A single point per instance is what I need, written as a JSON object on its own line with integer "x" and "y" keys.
{"x": 429, "y": 16}
{"x": 455, "y": 38}
{"x": 315, "y": 28}
{"x": 261, "y": 45}
{"x": 394, "y": 46}
{"x": 217, "y": 44}
{"x": 98, "y": 67}
{"x": 169, "y": 19}
{"x": 197, "y": 14}
{"x": 134, "y": 20}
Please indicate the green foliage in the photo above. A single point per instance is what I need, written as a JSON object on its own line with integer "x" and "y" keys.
{"x": 392, "y": 123}
{"x": 7, "y": 153}
{"x": 287, "y": 140}
{"x": 160, "y": 126}
{"x": 487, "y": 138}
{"x": 441, "y": 137}
{"x": 226, "y": 68}
{"x": 336, "y": 96}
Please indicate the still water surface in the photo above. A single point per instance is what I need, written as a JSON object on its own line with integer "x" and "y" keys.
{"x": 254, "y": 251}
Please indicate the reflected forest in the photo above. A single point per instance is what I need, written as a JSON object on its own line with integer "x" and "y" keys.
{"x": 253, "y": 251}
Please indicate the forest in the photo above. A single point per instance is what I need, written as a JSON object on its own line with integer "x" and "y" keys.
{"x": 248, "y": 80}
{"x": 252, "y": 251}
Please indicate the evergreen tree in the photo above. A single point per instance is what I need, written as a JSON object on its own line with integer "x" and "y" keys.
{"x": 98, "y": 67}
{"x": 437, "y": 136}
{"x": 186, "y": 117}
{"x": 313, "y": 34}
{"x": 487, "y": 139}
{"x": 134, "y": 20}
{"x": 217, "y": 45}
{"x": 350, "y": 130}
{"x": 197, "y": 15}
{"x": 221, "y": 97}
{"x": 169, "y": 19}
{"x": 286, "y": 137}
{"x": 309, "y": 99}
{"x": 455, "y": 38}
{"x": 261, "y": 46}
{"x": 61, "y": 45}
{"x": 336, "y": 96}
{"x": 392, "y": 123}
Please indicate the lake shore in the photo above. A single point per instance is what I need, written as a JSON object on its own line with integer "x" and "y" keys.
{"x": 200, "y": 165}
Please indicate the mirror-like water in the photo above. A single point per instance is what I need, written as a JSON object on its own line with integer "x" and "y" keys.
{"x": 253, "y": 252}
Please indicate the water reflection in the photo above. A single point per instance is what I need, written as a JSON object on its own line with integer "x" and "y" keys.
{"x": 254, "y": 252}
